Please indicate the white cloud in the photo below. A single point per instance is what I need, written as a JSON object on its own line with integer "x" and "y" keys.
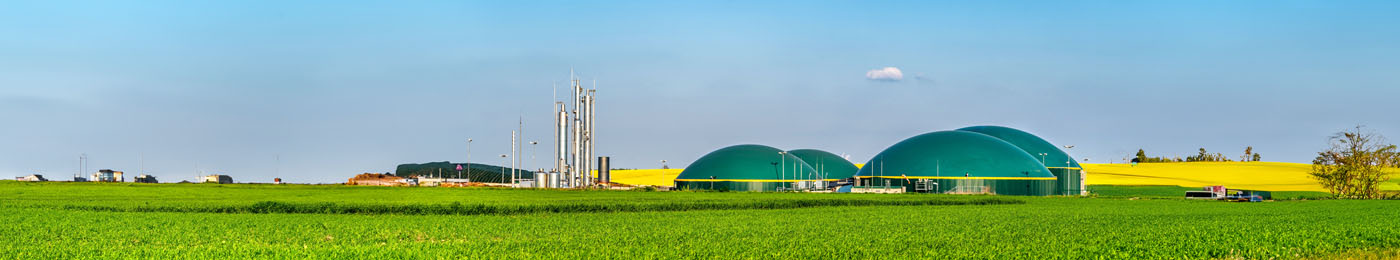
{"x": 885, "y": 74}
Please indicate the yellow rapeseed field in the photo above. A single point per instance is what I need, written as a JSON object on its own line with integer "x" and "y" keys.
{"x": 1273, "y": 176}
{"x": 653, "y": 177}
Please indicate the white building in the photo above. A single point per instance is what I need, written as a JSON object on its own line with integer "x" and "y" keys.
{"x": 32, "y": 177}
{"x": 108, "y": 175}
{"x": 220, "y": 179}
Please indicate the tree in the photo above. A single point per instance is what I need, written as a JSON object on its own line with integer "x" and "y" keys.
{"x": 1141, "y": 156}
{"x": 1199, "y": 157}
{"x": 1256, "y": 157}
{"x": 1354, "y": 165}
{"x": 1248, "y": 154}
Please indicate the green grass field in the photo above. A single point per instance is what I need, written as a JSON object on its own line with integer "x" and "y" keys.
{"x": 95, "y": 220}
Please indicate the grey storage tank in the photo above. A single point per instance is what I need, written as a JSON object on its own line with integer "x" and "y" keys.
{"x": 604, "y": 169}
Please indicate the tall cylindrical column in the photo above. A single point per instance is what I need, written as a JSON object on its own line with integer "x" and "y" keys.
{"x": 586, "y": 164}
{"x": 576, "y": 136}
{"x": 561, "y": 138}
{"x": 592, "y": 117}
{"x": 604, "y": 172}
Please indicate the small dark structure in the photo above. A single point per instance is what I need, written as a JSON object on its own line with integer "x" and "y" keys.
{"x": 145, "y": 179}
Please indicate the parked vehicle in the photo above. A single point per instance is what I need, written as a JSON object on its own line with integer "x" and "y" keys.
{"x": 1221, "y": 193}
{"x": 1248, "y": 196}
{"x": 1201, "y": 195}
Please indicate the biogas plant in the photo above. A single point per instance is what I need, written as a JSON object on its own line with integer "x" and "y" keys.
{"x": 972, "y": 160}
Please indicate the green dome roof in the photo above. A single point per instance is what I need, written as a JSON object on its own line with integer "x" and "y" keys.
{"x": 955, "y": 154}
{"x": 748, "y": 162}
{"x": 1033, "y": 145}
{"x": 831, "y": 165}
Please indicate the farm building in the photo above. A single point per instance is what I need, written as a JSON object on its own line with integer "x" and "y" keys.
{"x": 1068, "y": 173}
{"x": 475, "y": 172}
{"x": 748, "y": 167}
{"x": 220, "y": 179}
{"x": 145, "y": 179}
{"x": 958, "y": 162}
{"x": 829, "y": 166}
{"x": 32, "y": 177}
{"x": 108, "y": 175}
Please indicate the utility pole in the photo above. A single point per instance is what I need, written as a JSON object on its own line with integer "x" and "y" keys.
{"x": 518, "y": 154}
{"x": 469, "y": 159}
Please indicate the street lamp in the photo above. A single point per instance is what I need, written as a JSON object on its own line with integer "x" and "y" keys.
{"x": 1042, "y": 158}
{"x": 1068, "y": 161}
{"x": 663, "y": 171}
{"x": 532, "y": 152}
{"x": 469, "y": 159}
{"x": 505, "y": 159}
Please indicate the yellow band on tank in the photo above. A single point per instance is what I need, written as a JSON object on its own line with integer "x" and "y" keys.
{"x": 739, "y": 180}
{"x": 960, "y": 178}
{"x": 1071, "y": 168}
{"x": 886, "y": 177}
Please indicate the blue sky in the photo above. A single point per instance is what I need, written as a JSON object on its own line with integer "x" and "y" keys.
{"x": 337, "y": 88}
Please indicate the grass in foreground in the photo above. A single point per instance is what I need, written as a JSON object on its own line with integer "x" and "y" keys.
{"x": 1041, "y": 228}
{"x": 339, "y": 199}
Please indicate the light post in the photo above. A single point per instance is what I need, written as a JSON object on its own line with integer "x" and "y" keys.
{"x": 1042, "y": 158}
{"x": 504, "y": 159}
{"x": 532, "y": 152}
{"x": 663, "y": 171}
{"x": 1068, "y": 162}
{"x": 469, "y": 159}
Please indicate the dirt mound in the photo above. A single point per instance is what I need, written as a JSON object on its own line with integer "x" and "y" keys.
{"x": 375, "y": 179}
